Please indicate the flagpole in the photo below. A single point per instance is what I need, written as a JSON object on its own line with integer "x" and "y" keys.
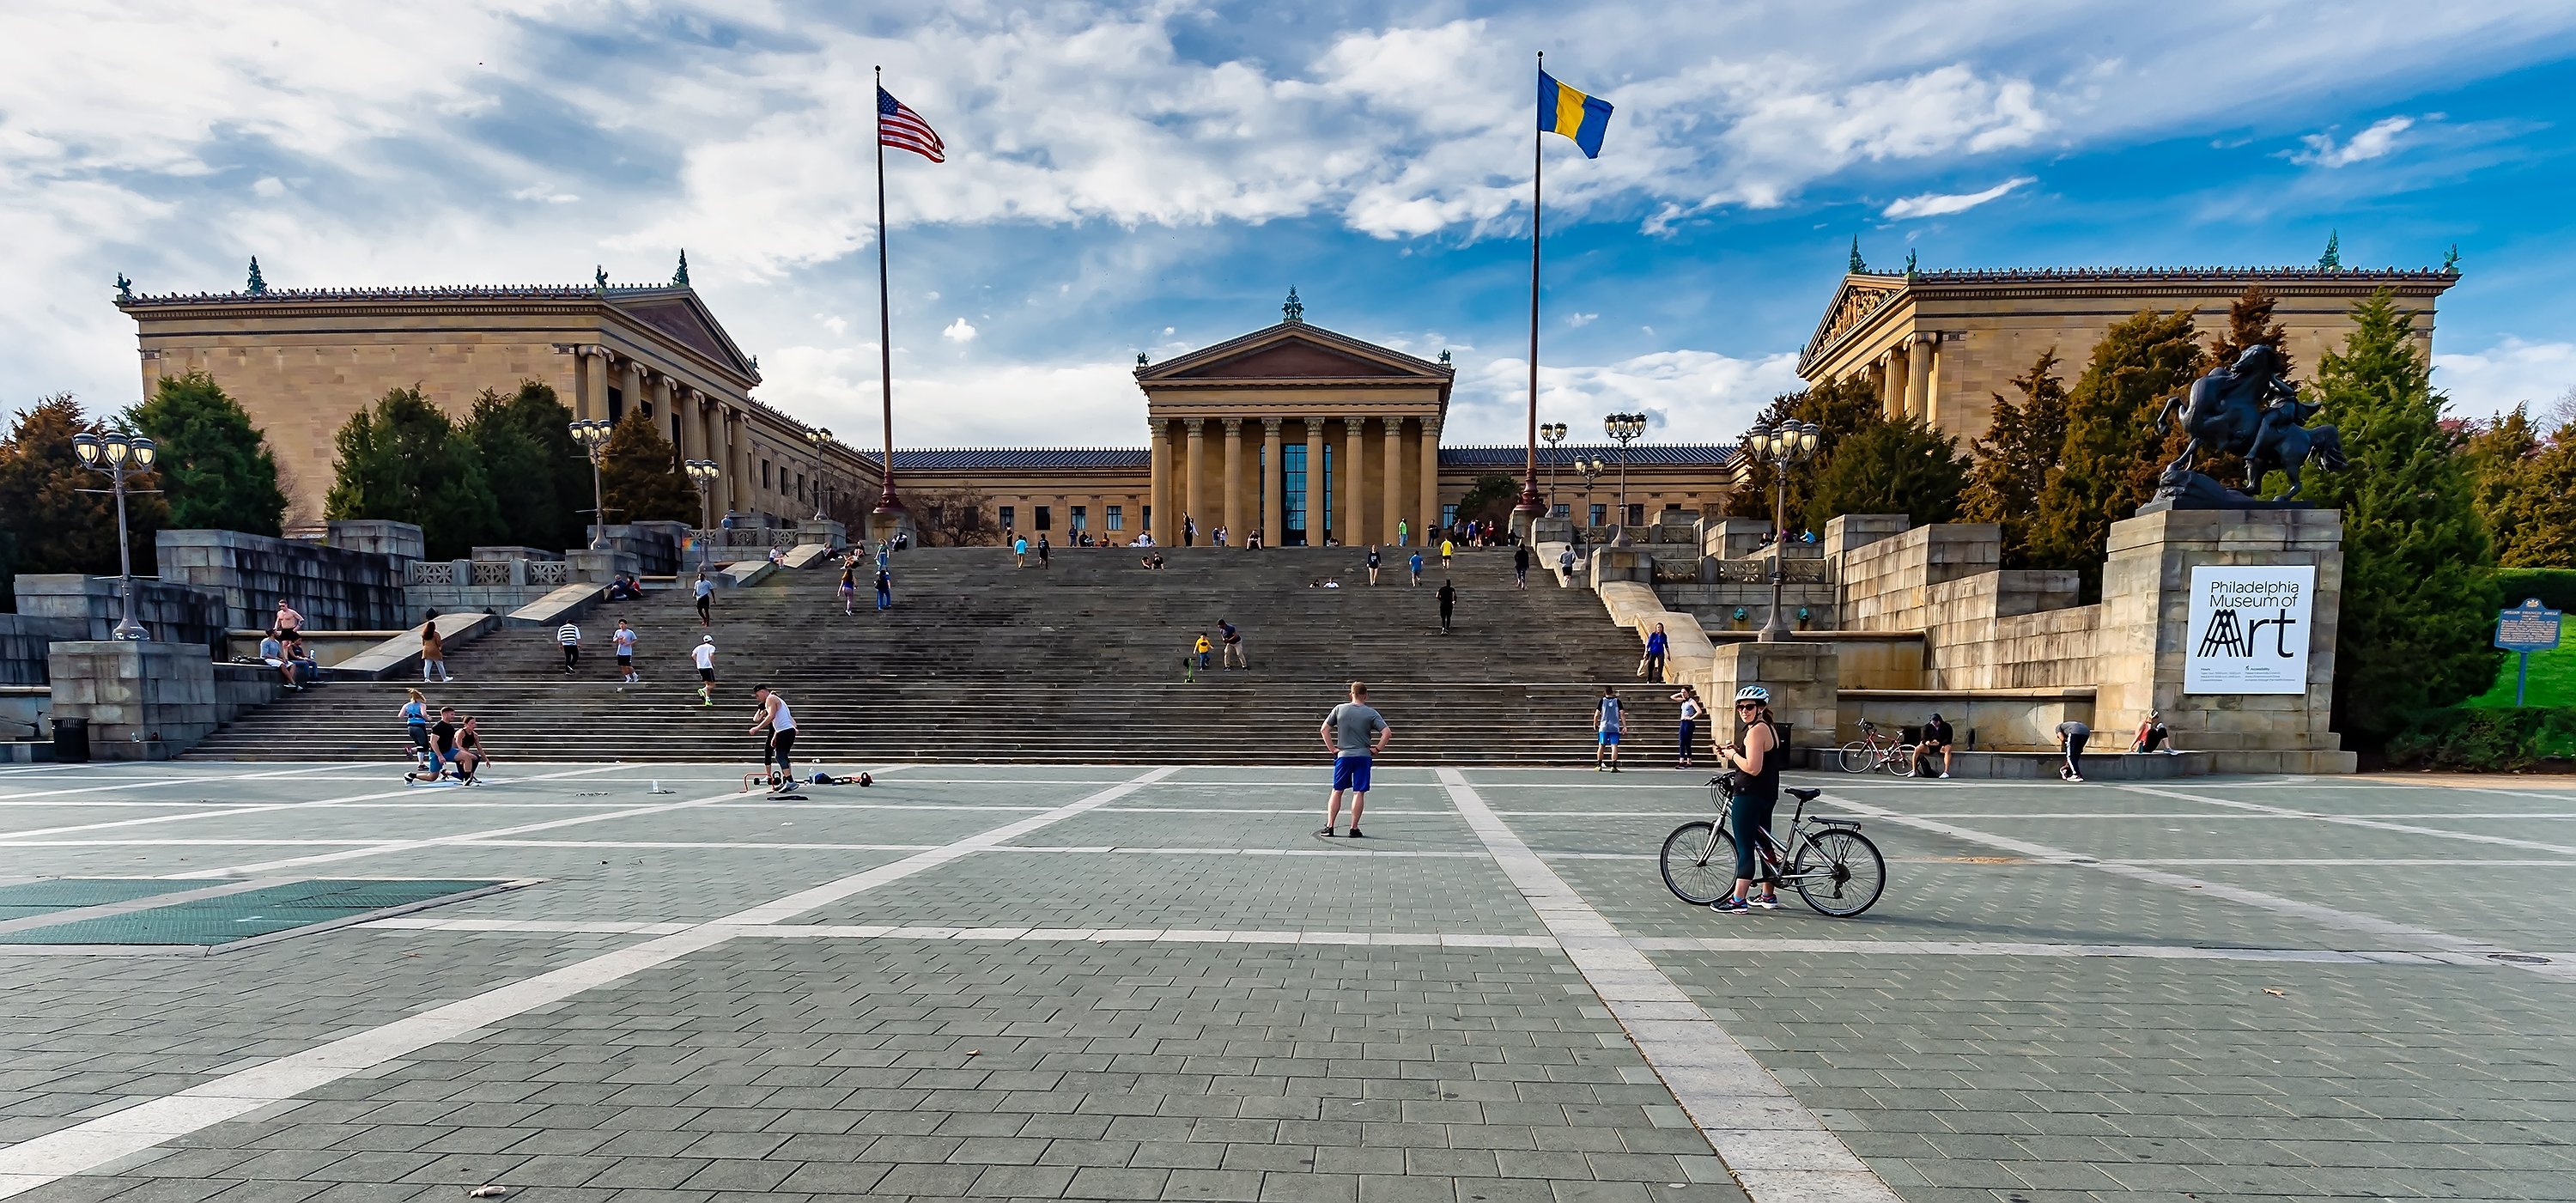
{"x": 887, "y": 502}
{"x": 1531, "y": 504}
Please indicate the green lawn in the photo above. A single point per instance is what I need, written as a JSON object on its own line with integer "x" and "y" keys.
{"x": 2553, "y": 677}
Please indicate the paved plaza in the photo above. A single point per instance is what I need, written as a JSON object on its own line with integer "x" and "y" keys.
{"x": 1130, "y": 983}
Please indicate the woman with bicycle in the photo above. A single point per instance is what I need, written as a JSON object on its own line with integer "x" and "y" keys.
{"x": 1757, "y": 791}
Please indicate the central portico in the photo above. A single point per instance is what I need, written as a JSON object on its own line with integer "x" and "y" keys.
{"x": 1295, "y": 431}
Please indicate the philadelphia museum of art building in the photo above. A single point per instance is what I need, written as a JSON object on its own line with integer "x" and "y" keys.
{"x": 1293, "y": 431}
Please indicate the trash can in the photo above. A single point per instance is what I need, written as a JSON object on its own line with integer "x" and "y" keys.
{"x": 71, "y": 741}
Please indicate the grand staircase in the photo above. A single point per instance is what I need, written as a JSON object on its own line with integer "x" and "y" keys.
{"x": 1079, "y": 662}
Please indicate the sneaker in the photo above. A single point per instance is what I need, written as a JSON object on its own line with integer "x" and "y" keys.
{"x": 1728, "y": 906}
{"x": 1597, "y": 766}
{"x": 1614, "y": 768}
{"x": 1355, "y": 833}
{"x": 1767, "y": 902}
{"x": 1326, "y": 833}
{"x": 1942, "y": 777}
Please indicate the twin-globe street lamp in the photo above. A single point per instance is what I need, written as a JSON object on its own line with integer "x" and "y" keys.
{"x": 1781, "y": 447}
{"x": 120, "y": 452}
{"x": 1623, "y": 427}
{"x": 703, "y": 473}
{"x": 1554, "y": 433}
{"x": 593, "y": 434}
{"x": 1590, "y": 470}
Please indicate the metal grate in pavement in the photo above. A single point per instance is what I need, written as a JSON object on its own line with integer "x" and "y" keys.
{"x": 32, "y": 898}
{"x": 208, "y": 923}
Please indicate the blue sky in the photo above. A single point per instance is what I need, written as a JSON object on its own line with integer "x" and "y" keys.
{"x": 1153, "y": 177}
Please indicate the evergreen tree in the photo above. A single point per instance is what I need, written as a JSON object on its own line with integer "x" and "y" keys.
{"x": 2418, "y": 596}
{"x": 2011, "y": 465}
{"x": 637, "y": 475}
{"x": 2110, "y": 464}
{"x": 2498, "y": 457}
{"x": 1490, "y": 498}
{"x": 215, "y": 466}
{"x": 2542, "y": 522}
{"x": 404, "y": 461}
{"x": 1902, "y": 467}
{"x": 1839, "y": 409}
{"x": 539, "y": 475}
{"x": 56, "y": 527}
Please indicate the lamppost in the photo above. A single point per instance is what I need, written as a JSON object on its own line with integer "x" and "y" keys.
{"x": 816, "y": 437}
{"x": 1554, "y": 433}
{"x": 592, "y": 434}
{"x": 1781, "y": 447}
{"x": 120, "y": 451}
{"x": 1623, "y": 427}
{"x": 702, "y": 473}
{"x": 1590, "y": 470}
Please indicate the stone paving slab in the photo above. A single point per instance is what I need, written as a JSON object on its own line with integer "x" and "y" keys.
{"x": 1292, "y": 830}
{"x": 2506, "y": 904}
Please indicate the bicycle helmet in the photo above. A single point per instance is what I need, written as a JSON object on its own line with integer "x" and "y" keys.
{"x": 1753, "y": 693}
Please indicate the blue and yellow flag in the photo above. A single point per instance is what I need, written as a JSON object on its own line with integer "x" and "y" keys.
{"x": 1562, "y": 110}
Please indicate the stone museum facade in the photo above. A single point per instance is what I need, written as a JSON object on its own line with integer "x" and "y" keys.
{"x": 1941, "y": 344}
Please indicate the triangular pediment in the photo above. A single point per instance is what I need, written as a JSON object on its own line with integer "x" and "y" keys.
{"x": 678, "y": 315}
{"x": 1860, "y": 296}
{"x": 1293, "y": 351}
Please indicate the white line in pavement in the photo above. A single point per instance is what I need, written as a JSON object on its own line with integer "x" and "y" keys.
{"x": 1776, "y": 1148}
{"x": 151, "y": 782}
{"x": 380, "y": 849}
{"x": 92, "y": 1143}
{"x": 2278, "y": 812}
{"x": 260, "y": 808}
{"x": 2311, "y": 911}
{"x": 2000, "y": 948}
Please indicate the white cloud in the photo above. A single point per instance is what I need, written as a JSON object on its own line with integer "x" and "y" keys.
{"x": 1936, "y": 204}
{"x": 1027, "y": 404}
{"x": 2512, "y": 372}
{"x": 269, "y": 186}
{"x": 1692, "y": 396}
{"x": 2371, "y": 143}
{"x": 836, "y": 324}
{"x": 544, "y": 194}
{"x": 958, "y": 332}
{"x": 1580, "y": 320}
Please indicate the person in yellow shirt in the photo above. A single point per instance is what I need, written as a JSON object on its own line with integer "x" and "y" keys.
{"x": 1448, "y": 548}
{"x": 1200, "y": 650}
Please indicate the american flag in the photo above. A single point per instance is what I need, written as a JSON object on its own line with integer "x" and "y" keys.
{"x": 901, "y": 128}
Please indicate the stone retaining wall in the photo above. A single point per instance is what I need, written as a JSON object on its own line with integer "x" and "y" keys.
{"x": 335, "y": 588}
{"x": 172, "y": 613}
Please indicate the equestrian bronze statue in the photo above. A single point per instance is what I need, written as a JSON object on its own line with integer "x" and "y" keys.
{"x": 2247, "y": 409}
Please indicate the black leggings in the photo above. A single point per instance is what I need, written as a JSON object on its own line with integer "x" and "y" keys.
{"x": 780, "y": 744}
{"x": 1752, "y": 822}
{"x": 572, "y": 654}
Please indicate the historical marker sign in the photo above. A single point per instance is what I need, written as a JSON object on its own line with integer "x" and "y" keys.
{"x": 2529, "y": 627}
{"x": 2250, "y": 628}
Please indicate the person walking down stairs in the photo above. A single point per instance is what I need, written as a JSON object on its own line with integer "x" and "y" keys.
{"x": 433, "y": 651}
{"x": 569, "y": 636}
{"x": 624, "y": 641}
{"x": 1520, "y": 567}
{"x": 1372, "y": 563}
{"x": 1042, "y": 551}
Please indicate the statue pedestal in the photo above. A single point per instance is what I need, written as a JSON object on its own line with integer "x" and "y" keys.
{"x": 2146, "y": 643}
{"x": 1805, "y": 680}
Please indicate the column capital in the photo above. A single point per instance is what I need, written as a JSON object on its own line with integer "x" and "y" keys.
{"x": 1354, "y": 421}
{"x": 1430, "y": 423}
{"x": 1233, "y": 426}
{"x": 1270, "y": 427}
{"x": 1193, "y": 425}
{"x": 1921, "y": 337}
{"x": 1156, "y": 429}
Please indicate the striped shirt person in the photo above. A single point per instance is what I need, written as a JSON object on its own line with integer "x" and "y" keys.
{"x": 570, "y": 637}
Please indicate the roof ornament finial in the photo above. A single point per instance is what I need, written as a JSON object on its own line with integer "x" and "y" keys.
{"x": 1140, "y": 359}
{"x": 125, "y": 287}
{"x": 1444, "y": 357}
{"x": 1857, "y": 265}
{"x": 1294, "y": 310}
{"x": 2332, "y": 260}
{"x": 599, "y": 277}
{"x": 680, "y": 278}
{"x": 1910, "y": 270}
{"x": 2450, "y": 262}
{"x": 258, "y": 287}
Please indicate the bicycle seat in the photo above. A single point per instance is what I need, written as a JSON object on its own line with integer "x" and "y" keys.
{"x": 1803, "y": 795}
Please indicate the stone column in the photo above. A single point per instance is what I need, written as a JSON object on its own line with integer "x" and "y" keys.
{"x": 1273, "y": 506}
{"x": 746, "y": 473}
{"x": 1232, "y": 502}
{"x": 1158, "y": 489}
{"x": 1315, "y": 517}
{"x": 1430, "y": 473}
{"x": 593, "y": 400}
{"x": 1918, "y": 374}
{"x": 1891, "y": 384}
{"x": 1354, "y": 483}
{"x": 710, "y": 427}
{"x": 632, "y": 392}
{"x": 1195, "y": 508}
{"x": 690, "y": 438}
{"x": 1395, "y": 506}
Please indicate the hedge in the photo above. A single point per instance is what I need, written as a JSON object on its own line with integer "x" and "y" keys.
{"x": 2555, "y": 587}
{"x": 2484, "y": 740}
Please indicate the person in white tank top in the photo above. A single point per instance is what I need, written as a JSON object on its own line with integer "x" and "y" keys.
{"x": 781, "y": 723}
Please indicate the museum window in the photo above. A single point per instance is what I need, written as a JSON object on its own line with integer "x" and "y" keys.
{"x": 1046, "y": 517}
{"x": 1117, "y": 517}
{"x": 1146, "y": 521}
{"x": 1448, "y": 517}
{"x": 1292, "y": 495}
{"x": 1600, "y": 514}
{"x": 616, "y": 407}
{"x": 1077, "y": 518}
{"x": 764, "y": 475}
{"x": 1562, "y": 510}
{"x": 1636, "y": 513}
{"x": 1009, "y": 513}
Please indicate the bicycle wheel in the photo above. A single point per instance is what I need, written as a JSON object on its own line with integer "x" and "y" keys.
{"x": 1699, "y": 863}
{"x": 1840, "y": 873}
{"x": 1856, "y": 756}
{"x": 1901, "y": 760}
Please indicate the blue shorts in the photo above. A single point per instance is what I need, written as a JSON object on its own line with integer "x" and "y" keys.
{"x": 1351, "y": 773}
{"x": 1609, "y": 739}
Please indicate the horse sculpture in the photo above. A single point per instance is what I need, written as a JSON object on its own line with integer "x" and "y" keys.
{"x": 2247, "y": 409}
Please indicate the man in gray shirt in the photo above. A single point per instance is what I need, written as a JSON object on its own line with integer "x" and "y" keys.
{"x": 1355, "y": 734}
{"x": 2071, "y": 736}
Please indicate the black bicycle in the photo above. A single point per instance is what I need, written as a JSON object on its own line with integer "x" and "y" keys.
{"x": 1830, "y": 863}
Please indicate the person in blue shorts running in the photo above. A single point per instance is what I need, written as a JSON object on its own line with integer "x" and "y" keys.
{"x": 1355, "y": 734}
